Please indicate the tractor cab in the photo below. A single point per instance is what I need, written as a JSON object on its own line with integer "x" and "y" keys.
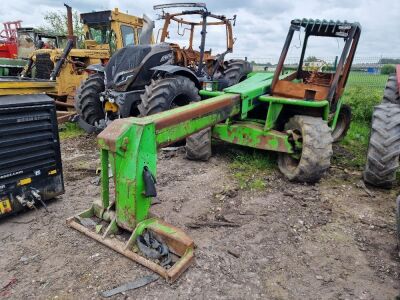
{"x": 110, "y": 30}
{"x": 31, "y": 39}
{"x": 185, "y": 24}
{"x": 317, "y": 80}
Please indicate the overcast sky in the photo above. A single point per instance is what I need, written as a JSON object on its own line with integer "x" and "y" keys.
{"x": 261, "y": 25}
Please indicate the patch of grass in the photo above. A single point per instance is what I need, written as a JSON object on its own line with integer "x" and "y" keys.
{"x": 70, "y": 130}
{"x": 362, "y": 93}
{"x": 250, "y": 166}
{"x": 362, "y": 100}
{"x": 355, "y": 146}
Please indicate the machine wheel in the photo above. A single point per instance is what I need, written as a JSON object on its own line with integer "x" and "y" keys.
{"x": 87, "y": 100}
{"x": 391, "y": 94}
{"x": 343, "y": 123}
{"x": 384, "y": 146}
{"x": 236, "y": 70}
{"x": 198, "y": 145}
{"x": 398, "y": 222}
{"x": 313, "y": 140}
{"x": 166, "y": 93}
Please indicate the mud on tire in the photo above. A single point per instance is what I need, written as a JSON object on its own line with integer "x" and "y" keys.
{"x": 384, "y": 146}
{"x": 87, "y": 99}
{"x": 316, "y": 150}
{"x": 198, "y": 145}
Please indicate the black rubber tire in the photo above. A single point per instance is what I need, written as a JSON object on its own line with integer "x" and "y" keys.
{"x": 166, "y": 93}
{"x": 235, "y": 71}
{"x": 316, "y": 150}
{"x": 44, "y": 66}
{"x": 398, "y": 222}
{"x": 198, "y": 145}
{"x": 87, "y": 99}
{"x": 343, "y": 123}
{"x": 384, "y": 146}
{"x": 391, "y": 94}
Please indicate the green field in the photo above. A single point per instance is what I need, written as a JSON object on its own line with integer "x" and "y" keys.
{"x": 368, "y": 80}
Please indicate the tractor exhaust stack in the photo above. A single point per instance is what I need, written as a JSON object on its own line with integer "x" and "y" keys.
{"x": 70, "y": 27}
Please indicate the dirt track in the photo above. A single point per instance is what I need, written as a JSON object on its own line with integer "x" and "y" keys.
{"x": 332, "y": 240}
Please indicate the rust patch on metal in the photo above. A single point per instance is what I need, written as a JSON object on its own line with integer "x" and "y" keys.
{"x": 265, "y": 142}
{"x": 201, "y": 110}
{"x": 171, "y": 274}
{"x": 112, "y": 133}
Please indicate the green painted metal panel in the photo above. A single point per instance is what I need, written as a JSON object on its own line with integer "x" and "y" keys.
{"x": 336, "y": 115}
{"x": 12, "y": 63}
{"x": 134, "y": 149}
{"x": 274, "y": 109}
{"x": 208, "y": 94}
{"x": 253, "y": 135}
{"x": 323, "y": 104}
{"x": 258, "y": 84}
{"x": 179, "y": 131}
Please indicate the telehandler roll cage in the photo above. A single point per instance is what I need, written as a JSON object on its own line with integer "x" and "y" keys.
{"x": 324, "y": 85}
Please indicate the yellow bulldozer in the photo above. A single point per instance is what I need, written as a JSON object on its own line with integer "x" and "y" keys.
{"x": 58, "y": 72}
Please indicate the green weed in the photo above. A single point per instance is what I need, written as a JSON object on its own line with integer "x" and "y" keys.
{"x": 70, "y": 130}
{"x": 250, "y": 166}
{"x": 354, "y": 146}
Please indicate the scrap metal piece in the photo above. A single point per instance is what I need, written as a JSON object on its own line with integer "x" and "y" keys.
{"x": 131, "y": 285}
{"x": 87, "y": 222}
{"x": 153, "y": 248}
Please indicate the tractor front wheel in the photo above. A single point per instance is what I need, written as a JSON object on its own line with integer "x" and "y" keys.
{"x": 312, "y": 141}
{"x": 167, "y": 93}
{"x": 87, "y": 99}
{"x": 198, "y": 145}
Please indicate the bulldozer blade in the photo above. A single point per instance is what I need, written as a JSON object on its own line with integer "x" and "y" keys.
{"x": 178, "y": 242}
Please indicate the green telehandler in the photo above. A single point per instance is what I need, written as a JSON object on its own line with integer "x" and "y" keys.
{"x": 295, "y": 114}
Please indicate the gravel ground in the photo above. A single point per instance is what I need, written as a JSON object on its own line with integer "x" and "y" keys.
{"x": 331, "y": 240}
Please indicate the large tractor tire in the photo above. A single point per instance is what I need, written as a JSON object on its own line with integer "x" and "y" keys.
{"x": 398, "y": 223}
{"x": 391, "y": 94}
{"x": 235, "y": 71}
{"x": 87, "y": 99}
{"x": 384, "y": 146}
{"x": 314, "y": 149}
{"x": 198, "y": 145}
{"x": 167, "y": 93}
{"x": 342, "y": 124}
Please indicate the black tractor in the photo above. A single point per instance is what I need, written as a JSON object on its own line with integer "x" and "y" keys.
{"x": 141, "y": 80}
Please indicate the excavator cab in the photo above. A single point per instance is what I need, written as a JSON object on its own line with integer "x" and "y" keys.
{"x": 110, "y": 30}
